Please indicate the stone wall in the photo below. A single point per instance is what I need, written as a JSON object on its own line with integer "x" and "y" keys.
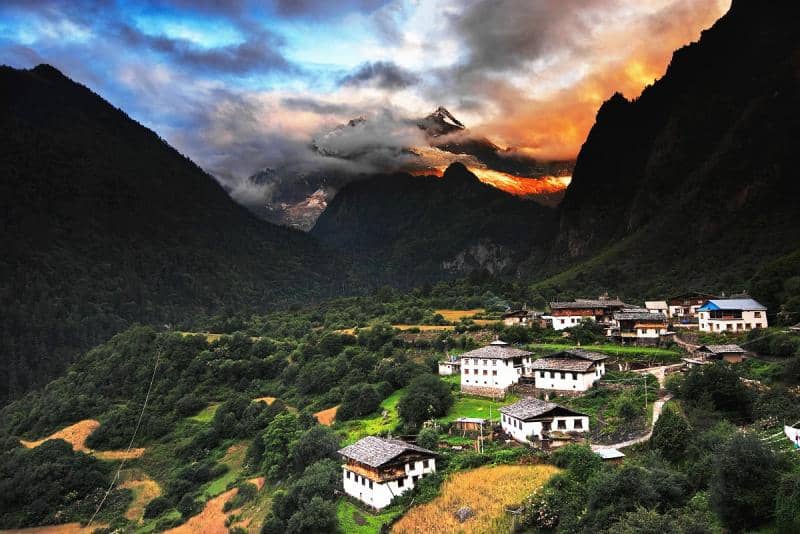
{"x": 483, "y": 391}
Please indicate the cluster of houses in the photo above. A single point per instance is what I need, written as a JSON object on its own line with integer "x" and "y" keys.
{"x": 652, "y": 323}
{"x": 376, "y": 470}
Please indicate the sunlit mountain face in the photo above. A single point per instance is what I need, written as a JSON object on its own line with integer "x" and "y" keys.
{"x": 268, "y": 89}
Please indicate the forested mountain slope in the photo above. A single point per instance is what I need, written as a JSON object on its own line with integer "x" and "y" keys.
{"x": 103, "y": 224}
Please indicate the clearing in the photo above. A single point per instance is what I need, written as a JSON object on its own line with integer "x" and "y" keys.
{"x": 377, "y": 424}
{"x": 326, "y": 417}
{"x": 354, "y": 520}
{"x": 212, "y": 519}
{"x": 473, "y": 406}
{"x": 234, "y": 459}
{"x": 144, "y": 489}
{"x": 66, "y": 528}
{"x": 501, "y": 487}
{"x": 454, "y": 316}
{"x": 77, "y": 434}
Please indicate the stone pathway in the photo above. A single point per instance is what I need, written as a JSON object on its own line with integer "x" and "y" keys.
{"x": 657, "y": 407}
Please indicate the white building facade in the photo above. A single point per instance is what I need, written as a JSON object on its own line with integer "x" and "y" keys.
{"x": 569, "y": 371}
{"x": 731, "y": 315}
{"x": 377, "y": 469}
{"x": 533, "y": 419}
{"x": 490, "y": 370}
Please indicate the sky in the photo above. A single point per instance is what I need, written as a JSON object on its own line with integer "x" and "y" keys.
{"x": 241, "y": 86}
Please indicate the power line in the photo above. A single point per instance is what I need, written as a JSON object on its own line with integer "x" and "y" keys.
{"x": 130, "y": 443}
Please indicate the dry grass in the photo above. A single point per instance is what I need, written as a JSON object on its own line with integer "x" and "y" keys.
{"x": 457, "y": 315}
{"x": 425, "y": 327}
{"x": 66, "y": 528}
{"x": 488, "y": 491}
{"x": 326, "y": 417}
{"x": 145, "y": 489}
{"x": 212, "y": 519}
{"x": 268, "y": 400}
{"x": 76, "y": 435}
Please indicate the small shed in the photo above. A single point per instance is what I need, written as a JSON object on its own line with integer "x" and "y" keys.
{"x": 470, "y": 423}
{"x": 613, "y": 456}
{"x": 729, "y": 353}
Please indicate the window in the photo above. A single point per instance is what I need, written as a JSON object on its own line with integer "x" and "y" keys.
{"x": 466, "y": 371}
{"x": 401, "y": 483}
{"x": 574, "y": 376}
{"x": 484, "y": 362}
{"x": 562, "y": 321}
{"x": 757, "y": 315}
{"x": 370, "y": 484}
{"x": 485, "y": 372}
{"x": 494, "y": 373}
{"x": 414, "y": 478}
{"x": 494, "y": 362}
{"x": 541, "y": 374}
{"x": 347, "y": 474}
{"x": 424, "y": 464}
{"x": 563, "y": 375}
{"x": 363, "y": 481}
{"x": 578, "y": 423}
{"x": 546, "y": 425}
{"x": 562, "y": 424}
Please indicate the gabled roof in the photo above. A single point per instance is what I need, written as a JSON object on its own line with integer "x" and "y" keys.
{"x": 517, "y": 313}
{"x": 587, "y": 303}
{"x": 561, "y": 364}
{"x": 530, "y": 408}
{"x": 639, "y": 316}
{"x": 721, "y": 349}
{"x": 374, "y": 451}
{"x": 578, "y": 354}
{"x": 732, "y": 304}
{"x": 496, "y": 350}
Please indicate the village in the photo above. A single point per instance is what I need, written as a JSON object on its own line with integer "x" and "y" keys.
{"x": 524, "y": 386}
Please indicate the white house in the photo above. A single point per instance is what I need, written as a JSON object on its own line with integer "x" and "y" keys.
{"x": 567, "y": 371}
{"x": 569, "y": 314}
{"x": 533, "y": 419}
{"x": 490, "y": 370}
{"x": 449, "y": 367}
{"x": 377, "y": 470}
{"x": 731, "y": 315}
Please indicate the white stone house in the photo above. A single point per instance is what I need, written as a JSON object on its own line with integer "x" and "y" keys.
{"x": 731, "y": 315}
{"x": 568, "y": 371}
{"x": 490, "y": 370}
{"x": 376, "y": 470}
{"x": 533, "y": 419}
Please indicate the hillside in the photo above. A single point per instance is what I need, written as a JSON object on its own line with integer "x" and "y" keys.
{"x": 103, "y": 224}
{"x": 700, "y": 169}
{"x": 422, "y": 228}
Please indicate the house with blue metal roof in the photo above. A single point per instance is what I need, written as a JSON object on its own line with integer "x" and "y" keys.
{"x": 731, "y": 315}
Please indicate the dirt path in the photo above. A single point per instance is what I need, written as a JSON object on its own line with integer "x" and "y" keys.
{"x": 212, "y": 519}
{"x": 77, "y": 434}
{"x": 657, "y": 407}
{"x": 660, "y": 372}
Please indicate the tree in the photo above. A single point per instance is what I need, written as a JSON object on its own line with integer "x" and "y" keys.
{"x": 581, "y": 461}
{"x": 428, "y": 438}
{"x": 358, "y": 400}
{"x": 671, "y": 434}
{"x": 426, "y": 397}
{"x": 314, "y": 444}
{"x": 743, "y": 481}
{"x": 187, "y": 505}
{"x": 278, "y": 438}
{"x": 787, "y": 504}
{"x": 316, "y": 517}
{"x": 720, "y": 385}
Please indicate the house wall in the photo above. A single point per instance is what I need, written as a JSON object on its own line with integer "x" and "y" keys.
{"x": 748, "y": 321}
{"x": 568, "y": 321}
{"x": 566, "y": 380}
{"x": 522, "y": 430}
{"x": 446, "y": 369}
{"x": 482, "y": 376}
{"x": 381, "y": 493}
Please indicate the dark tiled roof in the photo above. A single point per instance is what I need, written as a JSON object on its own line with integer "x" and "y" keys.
{"x": 580, "y": 354}
{"x": 496, "y": 351}
{"x": 639, "y": 316}
{"x": 375, "y": 451}
{"x": 561, "y": 364}
{"x": 587, "y": 303}
{"x": 530, "y": 408}
{"x": 721, "y": 349}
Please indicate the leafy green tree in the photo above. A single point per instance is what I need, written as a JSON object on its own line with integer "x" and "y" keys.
{"x": 187, "y": 506}
{"x": 426, "y": 397}
{"x": 581, "y": 461}
{"x": 671, "y": 434}
{"x": 278, "y": 438}
{"x": 743, "y": 482}
{"x": 359, "y": 400}
{"x": 719, "y": 384}
{"x": 428, "y": 438}
{"x": 316, "y": 517}
{"x": 787, "y": 504}
{"x": 316, "y": 443}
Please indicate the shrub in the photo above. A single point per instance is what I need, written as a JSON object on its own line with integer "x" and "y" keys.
{"x": 428, "y": 438}
{"x": 787, "y": 503}
{"x": 671, "y": 435}
{"x": 426, "y": 397}
{"x": 156, "y": 507}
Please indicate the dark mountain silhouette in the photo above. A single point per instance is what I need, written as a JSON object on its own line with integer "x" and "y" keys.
{"x": 421, "y": 228}
{"x": 103, "y": 224}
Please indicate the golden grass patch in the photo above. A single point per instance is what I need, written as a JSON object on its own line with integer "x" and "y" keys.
{"x": 268, "y": 400}
{"x": 66, "y": 528}
{"x": 144, "y": 489}
{"x": 212, "y": 519}
{"x": 457, "y": 315}
{"x": 326, "y": 417}
{"x": 488, "y": 491}
{"x": 425, "y": 327}
{"x": 76, "y": 435}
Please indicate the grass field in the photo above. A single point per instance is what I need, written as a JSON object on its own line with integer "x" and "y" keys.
{"x": 500, "y": 487}
{"x": 613, "y": 350}
{"x": 377, "y": 424}
{"x": 470, "y": 406}
{"x": 234, "y": 458}
{"x": 144, "y": 489}
{"x": 354, "y": 520}
{"x": 206, "y": 415}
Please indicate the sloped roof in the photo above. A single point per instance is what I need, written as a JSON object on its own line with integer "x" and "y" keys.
{"x": 733, "y": 304}
{"x": 374, "y": 451}
{"x": 530, "y": 408}
{"x": 561, "y": 364}
{"x": 721, "y": 349}
{"x": 656, "y": 304}
{"x": 497, "y": 351}
{"x": 578, "y": 353}
{"x": 639, "y": 316}
{"x": 586, "y": 303}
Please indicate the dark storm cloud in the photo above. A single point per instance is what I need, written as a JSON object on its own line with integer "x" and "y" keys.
{"x": 260, "y": 51}
{"x": 324, "y": 8}
{"x": 383, "y": 74}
